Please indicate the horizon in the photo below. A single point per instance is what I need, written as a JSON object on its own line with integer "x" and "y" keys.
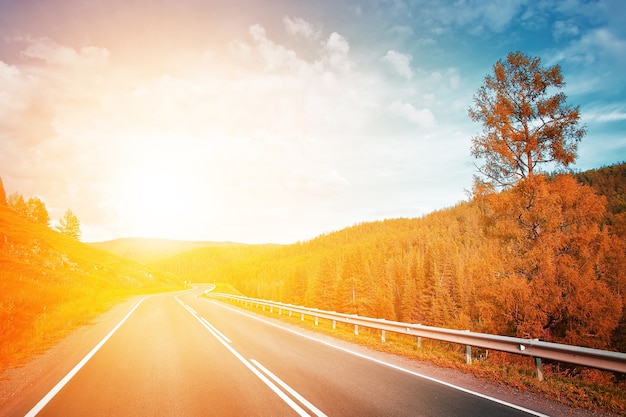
{"x": 211, "y": 121}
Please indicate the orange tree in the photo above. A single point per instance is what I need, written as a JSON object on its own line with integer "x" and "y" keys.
{"x": 549, "y": 229}
{"x": 524, "y": 125}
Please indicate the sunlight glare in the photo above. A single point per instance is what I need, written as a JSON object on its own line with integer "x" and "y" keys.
{"x": 159, "y": 195}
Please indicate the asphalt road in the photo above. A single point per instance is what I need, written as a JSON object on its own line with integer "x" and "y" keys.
{"x": 184, "y": 355}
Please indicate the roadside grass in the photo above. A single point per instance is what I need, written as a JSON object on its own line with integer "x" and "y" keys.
{"x": 589, "y": 389}
{"x": 51, "y": 284}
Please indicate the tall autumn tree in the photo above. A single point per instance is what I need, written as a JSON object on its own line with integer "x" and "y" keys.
{"x": 526, "y": 122}
{"x": 69, "y": 225}
{"x": 550, "y": 226}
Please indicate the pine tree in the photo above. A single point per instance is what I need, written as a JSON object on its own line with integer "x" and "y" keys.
{"x": 69, "y": 225}
{"x": 17, "y": 203}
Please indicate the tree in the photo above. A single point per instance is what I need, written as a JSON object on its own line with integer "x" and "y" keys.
{"x": 524, "y": 124}
{"x": 568, "y": 296}
{"x": 33, "y": 210}
{"x": 17, "y": 203}
{"x": 3, "y": 194}
{"x": 69, "y": 225}
{"x": 37, "y": 211}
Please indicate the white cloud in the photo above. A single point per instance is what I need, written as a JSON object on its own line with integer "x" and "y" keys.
{"x": 604, "y": 114}
{"x": 299, "y": 26}
{"x": 421, "y": 117}
{"x": 53, "y": 53}
{"x": 336, "y": 53}
{"x": 593, "y": 46}
{"x": 562, "y": 29}
{"x": 401, "y": 63}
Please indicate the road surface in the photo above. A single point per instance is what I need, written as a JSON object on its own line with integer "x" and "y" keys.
{"x": 185, "y": 355}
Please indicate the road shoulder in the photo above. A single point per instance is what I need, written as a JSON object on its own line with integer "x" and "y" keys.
{"x": 22, "y": 387}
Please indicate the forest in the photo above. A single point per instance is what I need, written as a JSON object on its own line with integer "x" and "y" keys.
{"x": 465, "y": 267}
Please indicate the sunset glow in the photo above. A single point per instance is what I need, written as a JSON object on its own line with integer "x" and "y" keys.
{"x": 216, "y": 121}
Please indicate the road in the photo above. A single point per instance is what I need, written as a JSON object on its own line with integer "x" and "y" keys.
{"x": 185, "y": 355}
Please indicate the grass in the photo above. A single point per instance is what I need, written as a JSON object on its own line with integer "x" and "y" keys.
{"x": 589, "y": 389}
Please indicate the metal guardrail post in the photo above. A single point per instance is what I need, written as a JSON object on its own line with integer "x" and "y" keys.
{"x": 382, "y": 336}
{"x": 539, "y": 368}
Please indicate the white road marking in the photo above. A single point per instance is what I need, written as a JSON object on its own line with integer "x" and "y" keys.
{"x": 206, "y": 324}
{"x": 59, "y": 386}
{"x": 215, "y": 330}
{"x": 399, "y": 368}
{"x": 256, "y": 372}
{"x": 290, "y": 390}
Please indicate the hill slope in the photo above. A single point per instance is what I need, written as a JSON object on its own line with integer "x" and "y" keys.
{"x": 50, "y": 283}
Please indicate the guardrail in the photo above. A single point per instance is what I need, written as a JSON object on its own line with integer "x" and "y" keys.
{"x": 536, "y": 349}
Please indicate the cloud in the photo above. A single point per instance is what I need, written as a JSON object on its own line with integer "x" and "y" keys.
{"x": 299, "y": 26}
{"x": 336, "y": 53}
{"x": 562, "y": 29}
{"x": 472, "y": 16}
{"x": 49, "y": 51}
{"x": 423, "y": 117}
{"x": 605, "y": 114}
{"x": 600, "y": 44}
{"x": 401, "y": 63}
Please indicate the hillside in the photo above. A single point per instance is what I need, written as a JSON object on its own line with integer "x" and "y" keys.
{"x": 50, "y": 283}
{"x": 465, "y": 267}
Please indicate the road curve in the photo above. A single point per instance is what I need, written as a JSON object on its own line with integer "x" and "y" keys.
{"x": 184, "y": 355}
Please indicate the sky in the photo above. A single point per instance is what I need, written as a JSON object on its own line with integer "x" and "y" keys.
{"x": 281, "y": 120}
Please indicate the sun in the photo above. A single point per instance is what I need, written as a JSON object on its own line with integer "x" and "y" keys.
{"x": 158, "y": 199}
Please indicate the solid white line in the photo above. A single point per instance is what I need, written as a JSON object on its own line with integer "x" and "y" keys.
{"x": 290, "y": 390}
{"x": 215, "y": 330}
{"x": 256, "y": 372}
{"x": 447, "y": 384}
{"x": 205, "y": 323}
{"x": 59, "y": 386}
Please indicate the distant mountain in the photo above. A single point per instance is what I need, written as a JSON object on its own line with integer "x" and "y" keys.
{"x": 147, "y": 251}
{"x": 50, "y": 283}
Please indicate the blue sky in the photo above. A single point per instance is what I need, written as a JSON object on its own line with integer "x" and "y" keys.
{"x": 276, "y": 121}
